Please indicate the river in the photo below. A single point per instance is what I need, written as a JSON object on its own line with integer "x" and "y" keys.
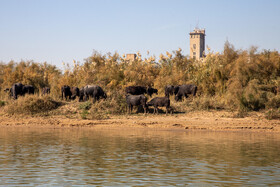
{"x": 122, "y": 157}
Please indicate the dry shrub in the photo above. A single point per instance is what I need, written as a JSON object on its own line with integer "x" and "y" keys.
{"x": 273, "y": 102}
{"x": 199, "y": 103}
{"x": 208, "y": 103}
{"x": 244, "y": 79}
{"x": 115, "y": 104}
{"x": 272, "y": 114}
{"x": 253, "y": 98}
{"x": 31, "y": 104}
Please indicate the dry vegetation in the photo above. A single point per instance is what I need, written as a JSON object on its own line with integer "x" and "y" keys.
{"x": 235, "y": 80}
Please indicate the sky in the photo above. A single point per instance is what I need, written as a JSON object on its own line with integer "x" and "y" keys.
{"x": 56, "y": 31}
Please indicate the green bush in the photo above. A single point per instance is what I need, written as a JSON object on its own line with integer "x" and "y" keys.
{"x": 2, "y": 103}
{"x": 85, "y": 106}
{"x": 84, "y": 114}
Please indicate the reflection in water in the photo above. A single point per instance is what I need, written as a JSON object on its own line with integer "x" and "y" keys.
{"x": 131, "y": 157}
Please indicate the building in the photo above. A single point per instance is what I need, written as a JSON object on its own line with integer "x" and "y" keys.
{"x": 197, "y": 44}
{"x": 130, "y": 57}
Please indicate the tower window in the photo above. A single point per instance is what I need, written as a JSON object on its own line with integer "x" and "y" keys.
{"x": 194, "y": 46}
{"x": 194, "y": 55}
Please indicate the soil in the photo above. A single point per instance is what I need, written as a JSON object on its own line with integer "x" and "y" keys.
{"x": 198, "y": 120}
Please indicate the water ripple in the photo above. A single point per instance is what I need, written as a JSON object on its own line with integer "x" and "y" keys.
{"x": 142, "y": 158}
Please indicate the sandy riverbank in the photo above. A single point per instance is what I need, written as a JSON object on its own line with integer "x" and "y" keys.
{"x": 205, "y": 120}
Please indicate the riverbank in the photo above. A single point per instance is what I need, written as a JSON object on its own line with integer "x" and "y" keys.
{"x": 198, "y": 120}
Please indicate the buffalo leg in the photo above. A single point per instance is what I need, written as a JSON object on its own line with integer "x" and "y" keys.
{"x": 154, "y": 110}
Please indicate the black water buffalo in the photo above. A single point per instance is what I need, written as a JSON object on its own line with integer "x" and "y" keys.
{"x": 94, "y": 91}
{"x": 169, "y": 90}
{"x": 184, "y": 90}
{"x": 81, "y": 94}
{"x": 28, "y": 89}
{"x": 46, "y": 90}
{"x": 75, "y": 92}
{"x": 136, "y": 90}
{"x": 17, "y": 89}
{"x": 160, "y": 102}
{"x": 176, "y": 89}
{"x": 151, "y": 91}
{"x": 20, "y": 89}
{"x": 136, "y": 100}
{"x": 66, "y": 92}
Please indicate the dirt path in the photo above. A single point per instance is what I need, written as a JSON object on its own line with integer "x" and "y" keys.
{"x": 214, "y": 120}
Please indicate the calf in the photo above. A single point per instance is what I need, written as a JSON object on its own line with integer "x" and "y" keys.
{"x": 160, "y": 102}
{"x": 136, "y": 100}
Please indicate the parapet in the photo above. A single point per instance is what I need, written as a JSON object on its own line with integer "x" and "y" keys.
{"x": 198, "y": 31}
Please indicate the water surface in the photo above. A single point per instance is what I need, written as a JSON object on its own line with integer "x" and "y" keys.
{"x": 65, "y": 157}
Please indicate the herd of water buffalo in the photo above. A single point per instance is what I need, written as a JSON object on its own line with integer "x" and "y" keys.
{"x": 135, "y": 95}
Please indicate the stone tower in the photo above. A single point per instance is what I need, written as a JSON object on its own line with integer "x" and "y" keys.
{"x": 131, "y": 57}
{"x": 197, "y": 43}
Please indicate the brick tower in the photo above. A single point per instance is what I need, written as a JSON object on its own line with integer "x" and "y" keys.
{"x": 197, "y": 43}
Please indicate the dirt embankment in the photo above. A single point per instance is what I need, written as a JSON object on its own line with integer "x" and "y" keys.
{"x": 206, "y": 120}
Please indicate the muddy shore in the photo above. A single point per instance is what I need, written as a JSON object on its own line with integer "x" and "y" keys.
{"x": 201, "y": 120}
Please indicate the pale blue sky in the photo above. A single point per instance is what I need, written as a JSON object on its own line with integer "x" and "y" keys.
{"x": 62, "y": 30}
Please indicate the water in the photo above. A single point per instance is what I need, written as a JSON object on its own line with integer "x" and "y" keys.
{"x": 67, "y": 157}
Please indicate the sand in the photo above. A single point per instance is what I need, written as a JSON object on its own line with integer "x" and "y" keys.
{"x": 198, "y": 120}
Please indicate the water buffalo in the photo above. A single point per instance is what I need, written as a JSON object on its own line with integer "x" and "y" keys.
{"x": 160, "y": 102}
{"x": 184, "y": 90}
{"x": 17, "y": 89}
{"x": 81, "y": 94}
{"x": 176, "y": 89}
{"x": 28, "y": 89}
{"x": 169, "y": 90}
{"x": 66, "y": 92}
{"x": 20, "y": 89}
{"x": 151, "y": 91}
{"x": 136, "y": 100}
{"x": 75, "y": 92}
{"x": 46, "y": 90}
{"x": 94, "y": 91}
{"x": 136, "y": 90}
